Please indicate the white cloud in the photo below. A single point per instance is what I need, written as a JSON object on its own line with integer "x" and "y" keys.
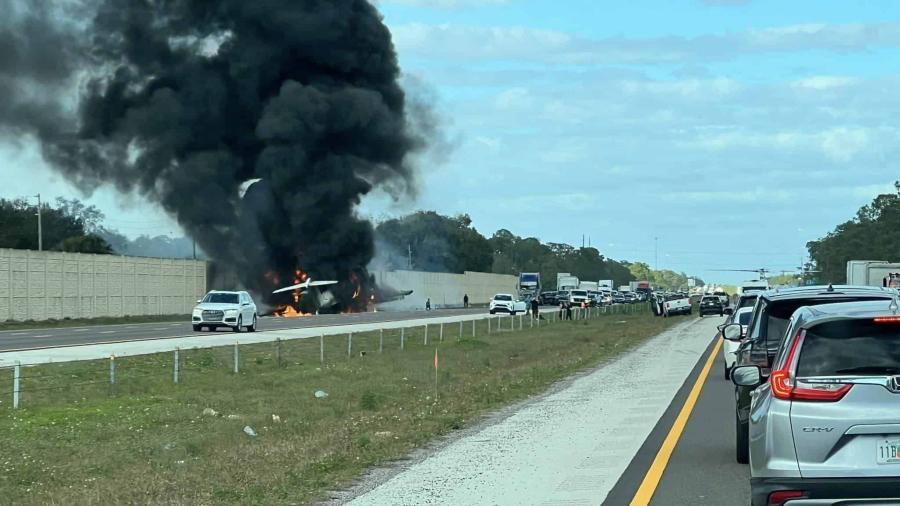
{"x": 731, "y": 196}
{"x": 514, "y": 98}
{"x": 821, "y": 83}
{"x": 842, "y": 144}
{"x": 839, "y": 144}
{"x": 557, "y": 47}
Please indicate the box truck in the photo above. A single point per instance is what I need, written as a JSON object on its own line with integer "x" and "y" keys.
{"x": 873, "y": 273}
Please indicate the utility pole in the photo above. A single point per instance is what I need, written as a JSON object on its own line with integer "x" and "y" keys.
{"x": 195, "y": 248}
{"x": 656, "y": 253}
{"x": 40, "y": 232}
{"x": 409, "y": 256}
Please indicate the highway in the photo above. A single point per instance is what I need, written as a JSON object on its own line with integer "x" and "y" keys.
{"x": 701, "y": 469}
{"x": 32, "y": 339}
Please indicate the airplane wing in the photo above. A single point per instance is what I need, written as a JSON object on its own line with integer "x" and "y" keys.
{"x": 304, "y": 285}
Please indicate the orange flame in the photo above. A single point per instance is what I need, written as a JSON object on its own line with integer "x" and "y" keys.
{"x": 289, "y": 312}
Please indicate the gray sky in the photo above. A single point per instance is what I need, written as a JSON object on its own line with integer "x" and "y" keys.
{"x": 733, "y": 131}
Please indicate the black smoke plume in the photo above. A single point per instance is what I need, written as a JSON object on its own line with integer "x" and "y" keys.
{"x": 186, "y": 101}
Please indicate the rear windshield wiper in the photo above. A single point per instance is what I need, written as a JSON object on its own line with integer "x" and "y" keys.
{"x": 870, "y": 369}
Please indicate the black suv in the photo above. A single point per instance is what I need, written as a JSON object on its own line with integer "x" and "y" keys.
{"x": 711, "y": 304}
{"x": 771, "y": 318}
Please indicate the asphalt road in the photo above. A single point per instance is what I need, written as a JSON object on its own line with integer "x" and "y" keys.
{"x": 701, "y": 469}
{"x": 17, "y": 340}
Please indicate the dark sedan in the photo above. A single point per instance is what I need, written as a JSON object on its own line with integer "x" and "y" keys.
{"x": 711, "y": 304}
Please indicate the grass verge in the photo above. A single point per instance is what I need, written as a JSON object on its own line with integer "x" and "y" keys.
{"x": 86, "y": 322}
{"x": 79, "y": 440}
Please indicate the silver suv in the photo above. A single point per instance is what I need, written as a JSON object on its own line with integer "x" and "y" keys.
{"x": 825, "y": 427}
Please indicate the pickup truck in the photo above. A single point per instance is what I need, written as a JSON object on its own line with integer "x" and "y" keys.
{"x": 506, "y": 303}
{"x": 677, "y": 304}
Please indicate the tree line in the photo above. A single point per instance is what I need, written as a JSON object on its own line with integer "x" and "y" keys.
{"x": 428, "y": 241}
{"x": 422, "y": 241}
{"x": 872, "y": 234}
{"x": 71, "y": 226}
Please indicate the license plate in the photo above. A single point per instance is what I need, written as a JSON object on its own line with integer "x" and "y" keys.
{"x": 888, "y": 451}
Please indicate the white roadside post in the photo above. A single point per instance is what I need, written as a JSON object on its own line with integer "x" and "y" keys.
{"x": 426, "y": 334}
{"x": 237, "y": 358}
{"x": 380, "y": 340}
{"x": 349, "y": 344}
{"x": 402, "y": 338}
{"x": 473, "y": 327}
{"x": 112, "y": 370}
{"x": 441, "y": 333}
{"x": 175, "y": 367}
{"x": 489, "y": 325}
{"x": 460, "y": 330}
{"x": 322, "y": 347}
{"x": 17, "y": 384}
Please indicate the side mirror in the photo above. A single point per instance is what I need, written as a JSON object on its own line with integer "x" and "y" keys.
{"x": 729, "y": 311}
{"x": 199, "y": 301}
{"x": 746, "y": 376}
{"x": 732, "y": 332}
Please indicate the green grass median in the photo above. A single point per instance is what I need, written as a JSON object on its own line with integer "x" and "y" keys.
{"x": 78, "y": 439}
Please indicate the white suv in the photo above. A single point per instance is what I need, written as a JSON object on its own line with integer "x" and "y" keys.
{"x": 225, "y": 309}
{"x": 506, "y": 303}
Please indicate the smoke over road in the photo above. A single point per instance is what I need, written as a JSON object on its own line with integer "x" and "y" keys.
{"x": 186, "y": 101}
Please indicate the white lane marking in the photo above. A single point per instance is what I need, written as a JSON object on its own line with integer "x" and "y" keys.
{"x": 80, "y": 330}
{"x": 107, "y": 332}
{"x": 44, "y": 335}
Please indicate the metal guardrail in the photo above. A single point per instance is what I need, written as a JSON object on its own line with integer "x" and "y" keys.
{"x": 495, "y": 324}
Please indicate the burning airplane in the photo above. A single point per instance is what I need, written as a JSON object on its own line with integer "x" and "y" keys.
{"x": 307, "y": 297}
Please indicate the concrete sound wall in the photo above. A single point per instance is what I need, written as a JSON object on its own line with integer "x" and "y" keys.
{"x": 443, "y": 288}
{"x": 42, "y": 285}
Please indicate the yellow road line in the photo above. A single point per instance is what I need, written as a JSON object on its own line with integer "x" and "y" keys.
{"x": 654, "y": 474}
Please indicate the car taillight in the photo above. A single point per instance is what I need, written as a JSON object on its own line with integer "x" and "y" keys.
{"x": 782, "y": 496}
{"x": 887, "y": 319}
{"x": 785, "y": 387}
{"x": 821, "y": 392}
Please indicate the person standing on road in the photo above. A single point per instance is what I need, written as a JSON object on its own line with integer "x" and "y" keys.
{"x": 568, "y": 311}
{"x": 466, "y": 301}
{"x": 562, "y": 309}
{"x": 428, "y": 304}
{"x": 535, "y": 308}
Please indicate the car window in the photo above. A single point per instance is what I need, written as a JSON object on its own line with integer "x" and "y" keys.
{"x": 849, "y": 347}
{"x": 744, "y": 318}
{"x": 502, "y": 297}
{"x": 747, "y": 301}
{"x": 780, "y": 311}
{"x": 755, "y": 330}
{"x": 221, "y": 298}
